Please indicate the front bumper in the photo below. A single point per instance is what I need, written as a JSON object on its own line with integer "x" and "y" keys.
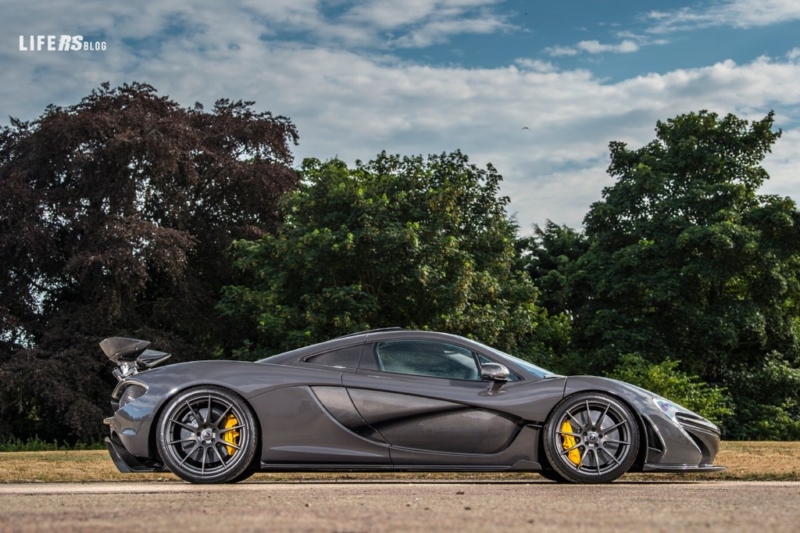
{"x": 688, "y": 444}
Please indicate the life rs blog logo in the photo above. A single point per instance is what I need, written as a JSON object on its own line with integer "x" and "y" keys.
{"x": 58, "y": 43}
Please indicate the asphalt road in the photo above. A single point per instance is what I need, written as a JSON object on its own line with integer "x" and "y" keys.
{"x": 401, "y": 506}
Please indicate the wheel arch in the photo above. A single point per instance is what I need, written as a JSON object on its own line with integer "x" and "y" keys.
{"x": 152, "y": 446}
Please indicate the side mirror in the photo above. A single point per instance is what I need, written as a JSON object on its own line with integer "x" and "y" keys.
{"x": 494, "y": 372}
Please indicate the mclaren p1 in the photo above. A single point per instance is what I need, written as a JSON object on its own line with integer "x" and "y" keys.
{"x": 391, "y": 400}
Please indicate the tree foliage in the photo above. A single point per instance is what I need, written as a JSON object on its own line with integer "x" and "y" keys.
{"x": 550, "y": 256}
{"x": 688, "y": 262}
{"x": 115, "y": 214}
{"x": 394, "y": 242}
{"x": 666, "y": 379}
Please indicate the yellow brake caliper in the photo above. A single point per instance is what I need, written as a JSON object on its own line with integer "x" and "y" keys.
{"x": 231, "y": 436}
{"x": 568, "y": 442}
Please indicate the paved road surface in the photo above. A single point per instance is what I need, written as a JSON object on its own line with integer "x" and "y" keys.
{"x": 401, "y": 506}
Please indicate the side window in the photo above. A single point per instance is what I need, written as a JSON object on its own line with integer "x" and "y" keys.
{"x": 341, "y": 358}
{"x": 427, "y": 358}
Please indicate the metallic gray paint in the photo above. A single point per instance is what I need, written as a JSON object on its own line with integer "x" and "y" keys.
{"x": 320, "y": 418}
{"x": 296, "y": 428}
{"x": 468, "y": 431}
{"x": 425, "y": 424}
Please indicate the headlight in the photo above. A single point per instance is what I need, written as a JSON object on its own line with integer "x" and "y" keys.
{"x": 668, "y": 408}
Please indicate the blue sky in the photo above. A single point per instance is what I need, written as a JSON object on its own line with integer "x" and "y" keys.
{"x": 427, "y": 76}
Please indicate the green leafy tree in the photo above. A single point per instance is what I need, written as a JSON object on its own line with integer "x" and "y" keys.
{"x": 115, "y": 217}
{"x": 666, "y": 379}
{"x": 549, "y": 256}
{"x": 687, "y": 262}
{"x": 393, "y": 242}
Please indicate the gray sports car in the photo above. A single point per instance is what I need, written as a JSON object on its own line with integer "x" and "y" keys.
{"x": 391, "y": 400}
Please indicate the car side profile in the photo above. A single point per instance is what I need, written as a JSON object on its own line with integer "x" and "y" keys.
{"x": 391, "y": 400}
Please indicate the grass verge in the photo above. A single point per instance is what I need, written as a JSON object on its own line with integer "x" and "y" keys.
{"x": 761, "y": 461}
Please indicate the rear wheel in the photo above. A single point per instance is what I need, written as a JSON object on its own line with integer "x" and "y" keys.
{"x": 208, "y": 435}
{"x": 591, "y": 438}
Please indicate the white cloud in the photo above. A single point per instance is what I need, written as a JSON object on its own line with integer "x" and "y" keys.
{"x": 734, "y": 13}
{"x": 361, "y": 24}
{"x": 353, "y": 105}
{"x": 557, "y": 51}
{"x": 440, "y": 31}
{"x": 536, "y": 65}
{"x": 391, "y": 14}
{"x": 593, "y": 47}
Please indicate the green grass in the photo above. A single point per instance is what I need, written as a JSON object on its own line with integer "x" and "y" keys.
{"x": 38, "y": 445}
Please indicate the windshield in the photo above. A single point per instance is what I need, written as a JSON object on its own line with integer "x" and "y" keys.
{"x": 530, "y": 367}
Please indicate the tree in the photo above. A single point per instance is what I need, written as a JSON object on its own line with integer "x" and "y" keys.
{"x": 688, "y": 263}
{"x": 393, "y": 242}
{"x": 666, "y": 379}
{"x": 549, "y": 256}
{"x": 115, "y": 217}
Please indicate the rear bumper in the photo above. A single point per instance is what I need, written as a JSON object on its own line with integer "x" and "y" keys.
{"x": 126, "y": 462}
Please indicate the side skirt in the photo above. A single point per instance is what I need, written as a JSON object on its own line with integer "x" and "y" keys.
{"x": 519, "y": 466}
{"x": 685, "y": 469}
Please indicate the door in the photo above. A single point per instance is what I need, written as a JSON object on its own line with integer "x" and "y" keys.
{"x": 427, "y": 400}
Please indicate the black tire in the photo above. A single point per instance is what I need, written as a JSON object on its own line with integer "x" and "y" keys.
{"x": 603, "y": 441}
{"x": 208, "y": 435}
{"x": 552, "y": 475}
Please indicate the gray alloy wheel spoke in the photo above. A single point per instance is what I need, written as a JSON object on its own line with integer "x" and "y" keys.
{"x": 596, "y": 461}
{"x": 225, "y": 430}
{"x": 222, "y": 416}
{"x": 618, "y": 424}
{"x": 565, "y": 452}
{"x": 610, "y": 455}
{"x": 589, "y": 422}
{"x": 219, "y": 456}
{"x": 235, "y": 447}
{"x": 568, "y": 434}
{"x": 612, "y": 441}
{"x": 188, "y": 439}
{"x": 186, "y": 426}
{"x": 208, "y": 413}
{"x": 194, "y": 414}
{"x": 189, "y": 453}
{"x": 583, "y": 457}
{"x": 203, "y": 464}
{"x": 602, "y": 417}
{"x": 580, "y": 425}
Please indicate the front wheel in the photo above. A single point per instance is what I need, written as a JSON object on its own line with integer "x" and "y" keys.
{"x": 591, "y": 438}
{"x": 208, "y": 435}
